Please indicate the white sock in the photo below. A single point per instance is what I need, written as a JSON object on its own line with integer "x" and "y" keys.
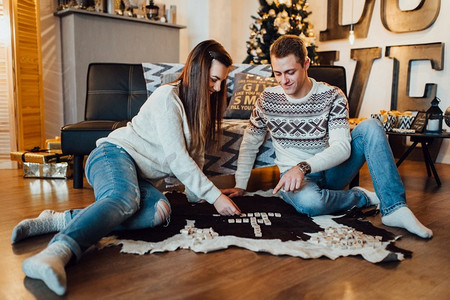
{"x": 48, "y": 266}
{"x": 48, "y": 221}
{"x": 373, "y": 198}
{"x": 404, "y": 218}
{"x": 162, "y": 213}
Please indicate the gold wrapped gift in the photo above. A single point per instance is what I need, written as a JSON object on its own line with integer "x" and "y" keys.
{"x": 40, "y": 156}
{"x": 53, "y": 144}
{"x": 62, "y": 170}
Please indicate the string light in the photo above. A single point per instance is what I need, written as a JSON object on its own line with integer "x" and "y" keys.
{"x": 351, "y": 36}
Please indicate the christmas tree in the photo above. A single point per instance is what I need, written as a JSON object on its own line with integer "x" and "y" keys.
{"x": 277, "y": 18}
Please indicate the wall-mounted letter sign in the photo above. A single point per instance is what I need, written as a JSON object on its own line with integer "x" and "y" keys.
{"x": 402, "y": 56}
{"x": 364, "y": 60}
{"x": 420, "y": 18}
{"x": 336, "y": 31}
{"x": 327, "y": 58}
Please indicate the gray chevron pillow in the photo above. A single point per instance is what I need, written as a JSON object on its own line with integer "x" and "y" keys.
{"x": 153, "y": 73}
{"x": 247, "y": 88}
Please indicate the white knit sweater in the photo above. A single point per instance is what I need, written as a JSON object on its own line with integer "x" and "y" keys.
{"x": 158, "y": 139}
{"x": 314, "y": 129}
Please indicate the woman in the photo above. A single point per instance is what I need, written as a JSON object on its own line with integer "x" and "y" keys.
{"x": 167, "y": 137}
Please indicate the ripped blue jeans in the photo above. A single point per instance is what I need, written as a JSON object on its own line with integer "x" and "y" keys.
{"x": 123, "y": 200}
{"x": 323, "y": 192}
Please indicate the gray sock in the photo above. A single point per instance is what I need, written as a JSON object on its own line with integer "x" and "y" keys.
{"x": 373, "y": 198}
{"x": 48, "y": 221}
{"x": 48, "y": 266}
{"x": 404, "y": 218}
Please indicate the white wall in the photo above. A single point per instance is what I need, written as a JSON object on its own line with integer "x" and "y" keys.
{"x": 240, "y": 21}
{"x": 204, "y": 19}
{"x": 51, "y": 69}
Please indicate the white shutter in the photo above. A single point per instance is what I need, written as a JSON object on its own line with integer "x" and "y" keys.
{"x": 7, "y": 127}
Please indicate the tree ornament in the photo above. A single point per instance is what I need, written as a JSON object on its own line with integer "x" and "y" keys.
{"x": 276, "y": 18}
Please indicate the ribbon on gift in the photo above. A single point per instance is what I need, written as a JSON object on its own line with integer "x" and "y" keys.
{"x": 34, "y": 150}
{"x": 52, "y": 155}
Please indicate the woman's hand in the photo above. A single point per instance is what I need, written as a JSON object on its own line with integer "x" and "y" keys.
{"x": 290, "y": 181}
{"x": 233, "y": 192}
{"x": 226, "y": 207}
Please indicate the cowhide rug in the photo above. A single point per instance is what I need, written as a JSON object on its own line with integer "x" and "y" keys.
{"x": 267, "y": 224}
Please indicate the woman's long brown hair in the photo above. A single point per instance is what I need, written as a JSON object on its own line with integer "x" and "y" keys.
{"x": 204, "y": 111}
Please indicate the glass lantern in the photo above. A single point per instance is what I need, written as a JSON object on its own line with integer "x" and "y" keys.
{"x": 433, "y": 118}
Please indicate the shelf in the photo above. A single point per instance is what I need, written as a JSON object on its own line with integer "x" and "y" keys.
{"x": 69, "y": 11}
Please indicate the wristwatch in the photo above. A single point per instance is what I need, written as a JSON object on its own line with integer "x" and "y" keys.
{"x": 304, "y": 167}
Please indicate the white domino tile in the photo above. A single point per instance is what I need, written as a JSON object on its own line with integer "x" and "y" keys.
{"x": 256, "y": 219}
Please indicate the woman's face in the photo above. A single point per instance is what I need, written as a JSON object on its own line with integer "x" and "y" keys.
{"x": 217, "y": 74}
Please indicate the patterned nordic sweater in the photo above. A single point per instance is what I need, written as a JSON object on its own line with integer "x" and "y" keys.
{"x": 314, "y": 129}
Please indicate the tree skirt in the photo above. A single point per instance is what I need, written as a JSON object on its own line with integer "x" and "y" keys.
{"x": 267, "y": 224}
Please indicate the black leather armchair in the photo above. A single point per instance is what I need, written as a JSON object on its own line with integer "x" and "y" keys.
{"x": 334, "y": 75}
{"x": 115, "y": 93}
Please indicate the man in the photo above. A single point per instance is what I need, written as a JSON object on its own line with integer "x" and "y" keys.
{"x": 315, "y": 152}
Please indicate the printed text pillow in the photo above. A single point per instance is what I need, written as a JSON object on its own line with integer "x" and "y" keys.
{"x": 247, "y": 88}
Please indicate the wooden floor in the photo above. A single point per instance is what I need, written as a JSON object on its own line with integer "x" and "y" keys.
{"x": 233, "y": 273}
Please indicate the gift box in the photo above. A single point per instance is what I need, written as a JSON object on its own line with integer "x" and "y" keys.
{"x": 40, "y": 156}
{"x": 387, "y": 120}
{"x": 53, "y": 144}
{"x": 390, "y": 123}
{"x": 393, "y": 120}
{"x": 61, "y": 170}
{"x": 405, "y": 122}
{"x": 378, "y": 117}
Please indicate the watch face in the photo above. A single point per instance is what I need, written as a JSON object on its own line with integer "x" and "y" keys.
{"x": 305, "y": 167}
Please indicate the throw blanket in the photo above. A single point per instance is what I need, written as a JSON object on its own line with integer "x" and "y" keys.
{"x": 267, "y": 224}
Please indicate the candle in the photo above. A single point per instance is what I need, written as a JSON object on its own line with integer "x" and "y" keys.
{"x": 433, "y": 125}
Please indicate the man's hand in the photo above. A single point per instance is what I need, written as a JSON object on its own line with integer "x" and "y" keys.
{"x": 226, "y": 207}
{"x": 290, "y": 181}
{"x": 233, "y": 192}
